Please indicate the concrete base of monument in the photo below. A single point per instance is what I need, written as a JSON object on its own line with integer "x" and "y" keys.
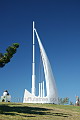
{"x": 29, "y": 98}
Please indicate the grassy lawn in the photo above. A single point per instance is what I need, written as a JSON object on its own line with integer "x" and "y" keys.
{"x": 20, "y": 111}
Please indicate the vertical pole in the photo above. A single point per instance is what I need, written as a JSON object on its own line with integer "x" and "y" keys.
{"x": 43, "y": 89}
{"x": 33, "y": 64}
{"x": 39, "y": 89}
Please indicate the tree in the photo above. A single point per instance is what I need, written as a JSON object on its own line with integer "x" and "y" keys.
{"x": 5, "y": 58}
{"x": 63, "y": 101}
{"x": 66, "y": 100}
{"x": 71, "y": 103}
{"x": 60, "y": 101}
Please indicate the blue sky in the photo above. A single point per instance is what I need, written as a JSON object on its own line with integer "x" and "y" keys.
{"x": 58, "y": 24}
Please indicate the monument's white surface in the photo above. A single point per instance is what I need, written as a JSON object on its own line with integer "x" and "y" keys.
{"x": 51, "y": 90}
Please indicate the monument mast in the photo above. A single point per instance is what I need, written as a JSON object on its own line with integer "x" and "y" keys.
{"x": 33, "y": 63}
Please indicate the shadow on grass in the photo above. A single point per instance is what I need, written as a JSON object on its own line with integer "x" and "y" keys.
{"x": 60, "y": 114}
{"x": 16, "y": 110}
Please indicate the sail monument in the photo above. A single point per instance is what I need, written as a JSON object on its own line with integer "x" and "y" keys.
{"x": 51, "y": 89}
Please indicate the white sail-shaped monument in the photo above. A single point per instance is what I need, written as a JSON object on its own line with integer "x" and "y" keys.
{"x": 51, "y": 90}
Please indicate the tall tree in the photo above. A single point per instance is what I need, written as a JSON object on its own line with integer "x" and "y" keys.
{"x": 6, "y": 57}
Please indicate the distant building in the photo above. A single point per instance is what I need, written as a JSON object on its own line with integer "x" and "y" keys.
{"x": 77, "y": 101}
{"x": 6, "y": 97}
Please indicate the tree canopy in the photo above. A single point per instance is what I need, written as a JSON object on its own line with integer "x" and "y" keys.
{"x": 5, "y": 58}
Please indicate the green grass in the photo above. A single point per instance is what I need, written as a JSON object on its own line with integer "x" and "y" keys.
{"x": 20, "y": 111}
